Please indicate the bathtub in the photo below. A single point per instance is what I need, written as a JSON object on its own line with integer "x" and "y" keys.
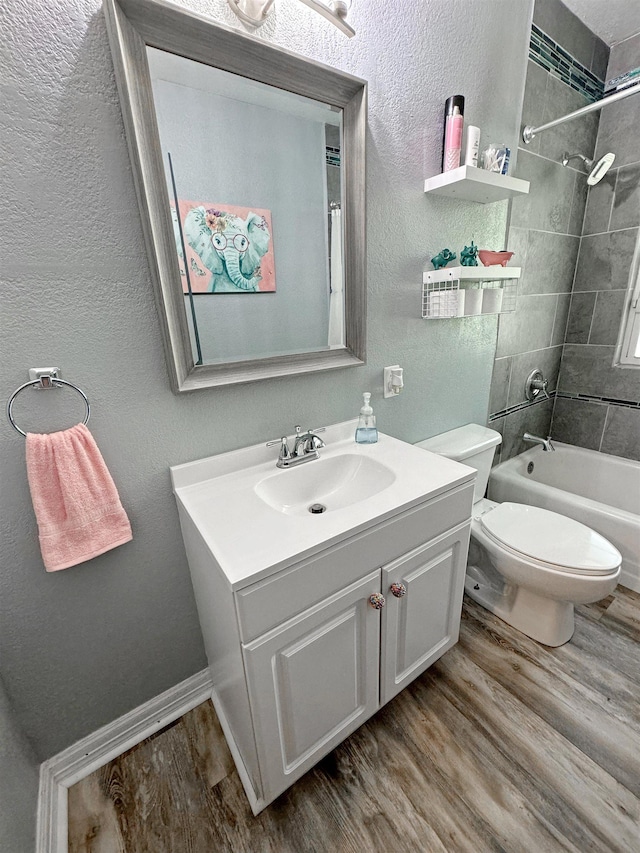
{"x": 601, "y": 491}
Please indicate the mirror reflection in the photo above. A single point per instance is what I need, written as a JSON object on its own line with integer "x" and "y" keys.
{"x": 254, "y": 182}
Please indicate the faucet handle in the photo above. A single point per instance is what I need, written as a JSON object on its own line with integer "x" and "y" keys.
{"x": 541, "y": 385}
{"x": 285, "y": 453}
{"x": 276, "y": 441}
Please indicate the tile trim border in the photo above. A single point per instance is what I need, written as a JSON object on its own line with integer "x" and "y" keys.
{"x": 593, "y": 398}
{"x": 63, "y": 770}
{"x": 583, "y": 398}
{"x": 551, "y": 56}
{"x": 518, "y": 407}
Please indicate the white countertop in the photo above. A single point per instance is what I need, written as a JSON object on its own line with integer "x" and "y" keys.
{"x": 251, "y": 540}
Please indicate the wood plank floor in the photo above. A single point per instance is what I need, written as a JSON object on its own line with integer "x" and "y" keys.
{"x": 503, "y": 745}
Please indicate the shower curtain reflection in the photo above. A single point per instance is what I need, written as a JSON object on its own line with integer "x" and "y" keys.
{"x": 336, "y": 318}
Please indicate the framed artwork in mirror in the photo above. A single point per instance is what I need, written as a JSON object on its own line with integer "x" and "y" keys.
{"x": 233, "y": 140}
{"x": 223, "y": 248}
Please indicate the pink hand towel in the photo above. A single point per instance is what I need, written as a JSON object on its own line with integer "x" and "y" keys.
{"x": 77, "y": 506}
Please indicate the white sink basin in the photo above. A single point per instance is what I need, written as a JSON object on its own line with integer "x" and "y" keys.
{"x": 254, "y": 518}
{"x": 335, "y": 482}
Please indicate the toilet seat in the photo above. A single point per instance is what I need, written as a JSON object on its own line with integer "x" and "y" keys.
{"x": 551, "y": 538}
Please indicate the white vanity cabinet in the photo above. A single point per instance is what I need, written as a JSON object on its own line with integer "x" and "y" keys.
{"x": 299, "y": 657}
{"x": 316, "y": 678}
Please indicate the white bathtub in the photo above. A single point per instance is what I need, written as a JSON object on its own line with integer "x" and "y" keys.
{"x": 601, "y": 491}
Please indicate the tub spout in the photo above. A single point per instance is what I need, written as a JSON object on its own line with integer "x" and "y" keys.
{"x": 535, "y": 439}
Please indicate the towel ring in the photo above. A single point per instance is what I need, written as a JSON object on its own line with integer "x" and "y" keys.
{"x": 52, "y": 381}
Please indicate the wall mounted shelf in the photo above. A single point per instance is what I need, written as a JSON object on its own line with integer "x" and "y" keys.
{"x": 459, "y": 273}
{"x": 445, "y": 297}
{"x": 467, "y": 183}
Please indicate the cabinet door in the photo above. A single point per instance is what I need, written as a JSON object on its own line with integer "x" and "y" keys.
{"x": 420, "y": 626}
{"x": 312, "y": 681}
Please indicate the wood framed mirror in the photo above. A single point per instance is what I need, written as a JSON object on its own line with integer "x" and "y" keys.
{"x": 210, "y": 183}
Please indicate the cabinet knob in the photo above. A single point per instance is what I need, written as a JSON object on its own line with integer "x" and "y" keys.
{"x": 377, "y": 601}
{"x": 398, "y": 589}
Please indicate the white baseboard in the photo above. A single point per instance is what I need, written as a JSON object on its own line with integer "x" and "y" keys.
{"x": 59, "y": 773}
{"x": 630, "y": 577}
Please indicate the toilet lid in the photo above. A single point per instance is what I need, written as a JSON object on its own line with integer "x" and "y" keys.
{"x": 551, "y": 538}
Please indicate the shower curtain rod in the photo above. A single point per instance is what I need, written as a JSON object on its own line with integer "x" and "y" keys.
{"x": 529, "y": 132}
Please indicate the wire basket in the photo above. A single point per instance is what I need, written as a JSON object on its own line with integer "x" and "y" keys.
{"x": 446, "y": 299}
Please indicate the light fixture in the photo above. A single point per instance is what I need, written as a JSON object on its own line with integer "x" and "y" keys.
{"x": 255, "y": 12}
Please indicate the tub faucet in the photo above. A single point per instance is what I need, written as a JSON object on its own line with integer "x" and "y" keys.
{"x": 535, "y": 439}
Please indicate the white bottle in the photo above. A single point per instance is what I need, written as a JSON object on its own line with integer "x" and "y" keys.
{"x": 366, "y": 431}
{"x": 473, "y": 146}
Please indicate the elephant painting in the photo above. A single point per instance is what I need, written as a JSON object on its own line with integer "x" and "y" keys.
{"x": 230, "y": 247}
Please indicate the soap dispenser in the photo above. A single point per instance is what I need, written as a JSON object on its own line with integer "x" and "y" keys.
{"x": 366, "y": 431}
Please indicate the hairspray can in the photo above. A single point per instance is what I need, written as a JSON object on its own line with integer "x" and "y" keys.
{"x": 452, "y": 138}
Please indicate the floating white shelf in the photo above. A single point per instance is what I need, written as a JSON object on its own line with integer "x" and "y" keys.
{"x": 479, "y": 273}
{"x": 468, "y": 183}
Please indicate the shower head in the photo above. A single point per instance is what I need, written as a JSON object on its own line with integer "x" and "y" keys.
{"x": 601, "y": 168}
{"x": 597, "y": 171}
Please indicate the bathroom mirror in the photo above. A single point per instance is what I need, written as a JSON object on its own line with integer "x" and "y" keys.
{"x": 249, "y": 164}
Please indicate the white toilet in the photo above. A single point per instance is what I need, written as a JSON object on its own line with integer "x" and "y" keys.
{"x": 527, "y": 565}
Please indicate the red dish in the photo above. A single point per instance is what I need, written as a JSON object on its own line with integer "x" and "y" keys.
{"x": 492, "y": 259}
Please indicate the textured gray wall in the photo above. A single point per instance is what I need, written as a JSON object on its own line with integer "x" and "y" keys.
{"x": 18, "y": 784}
{"x": 85, "y": 645}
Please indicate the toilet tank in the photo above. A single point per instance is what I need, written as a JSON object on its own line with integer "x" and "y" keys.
{"x": 474, "y": 445}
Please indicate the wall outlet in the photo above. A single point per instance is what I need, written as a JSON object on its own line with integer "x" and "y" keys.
{"x": 392, "y": 381}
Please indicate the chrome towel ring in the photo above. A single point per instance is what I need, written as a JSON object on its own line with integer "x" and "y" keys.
{"x": 45, "y": 381}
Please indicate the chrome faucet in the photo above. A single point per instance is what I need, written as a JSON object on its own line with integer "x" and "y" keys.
{"x": 535, "y": 439}
{"x": 307, "y": 443}
{"x": 305, "y": 448}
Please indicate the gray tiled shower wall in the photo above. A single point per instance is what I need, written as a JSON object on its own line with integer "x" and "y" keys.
{"x": 544, "y": 233}
{"x": 567, "y": 30}
{"x": 609, "y": 235}
{"x": 575, "y": 249}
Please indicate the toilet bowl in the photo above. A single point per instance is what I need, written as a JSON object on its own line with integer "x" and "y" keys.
{"x": 527, "y": 565}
